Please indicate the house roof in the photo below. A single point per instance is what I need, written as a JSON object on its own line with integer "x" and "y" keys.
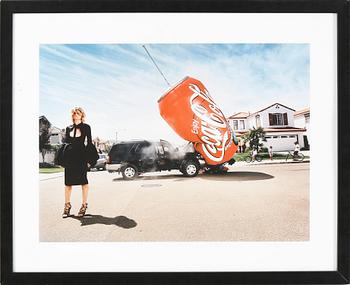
{"x": 43, "y": 118}
{"x": 238, "y": 135}
{"x": 286, "y": 129}
{"x": 240, "y": 115}
{"x": 274, "y": 130}
{"x": 271, "y": 106}
{"x": 302, "y": 111}
{"x": 244, "y": 115}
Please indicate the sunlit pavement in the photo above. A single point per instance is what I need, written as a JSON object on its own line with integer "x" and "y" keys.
{"x": 267, "y": 202}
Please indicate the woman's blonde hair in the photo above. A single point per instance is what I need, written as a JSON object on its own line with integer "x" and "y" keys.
{"x": 79, "y": 111}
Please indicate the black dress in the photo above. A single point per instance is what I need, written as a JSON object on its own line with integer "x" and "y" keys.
{"x": 75, "y": 173}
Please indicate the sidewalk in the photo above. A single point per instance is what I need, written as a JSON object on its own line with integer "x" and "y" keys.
{"x": 276, "y": 161}
{"x": 47, "y": 176}
{"x": 267, "y": 161}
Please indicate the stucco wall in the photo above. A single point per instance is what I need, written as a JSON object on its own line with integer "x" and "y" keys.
{"x": 264, "y": 116}
{"x": 283, "y": 141}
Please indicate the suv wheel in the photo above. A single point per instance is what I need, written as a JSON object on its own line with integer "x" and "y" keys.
{"x": 129, "y": 172}
{"x": 190, "y": 168}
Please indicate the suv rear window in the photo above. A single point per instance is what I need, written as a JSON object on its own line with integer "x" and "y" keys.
{"x": 121, "y": 148}
{"x": 120, "y": 151}
{"x": 132, "y": 151}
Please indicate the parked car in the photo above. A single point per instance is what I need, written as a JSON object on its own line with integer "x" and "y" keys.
{"x": 131, "y": 158}
{"x": 101, "y": 162}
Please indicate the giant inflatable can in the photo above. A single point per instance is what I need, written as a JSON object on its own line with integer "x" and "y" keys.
{"x": 191, "y": 112}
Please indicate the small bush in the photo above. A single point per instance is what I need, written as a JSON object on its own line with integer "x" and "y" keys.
{"x": 241, "y": 156}
{"x": 46, "y": 165}
{"x": 264, "y": 155}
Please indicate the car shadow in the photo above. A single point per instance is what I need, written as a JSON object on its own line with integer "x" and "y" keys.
{"x": 120, "y": 221}
{"x": 237, "y": 176}
{"x": 225, "y": 176}
{"x": 178, "y": 177}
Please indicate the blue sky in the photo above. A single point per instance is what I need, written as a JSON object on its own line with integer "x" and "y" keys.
{"x": 118, "y": 86}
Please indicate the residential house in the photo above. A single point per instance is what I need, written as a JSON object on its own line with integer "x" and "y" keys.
{"x": 302, "y": 120}
{"x": 102, "y": 145}
{"x": 277, "y": 120}
{"x": 239, "y": 123}
{"x": 57, "y": 135}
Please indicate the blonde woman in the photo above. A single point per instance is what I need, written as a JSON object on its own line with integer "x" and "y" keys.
{"x": 75, "y": 173}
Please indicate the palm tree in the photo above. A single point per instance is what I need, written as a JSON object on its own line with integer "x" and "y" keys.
{"x": 254, "y": 137}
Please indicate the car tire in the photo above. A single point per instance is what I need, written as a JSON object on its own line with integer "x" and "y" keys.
{"x": 129, "y": 172}
{"x": 190, "y": 168}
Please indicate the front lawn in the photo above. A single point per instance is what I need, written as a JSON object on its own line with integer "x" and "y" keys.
{"x": 264, "y": 155}
{"x": 51, "y": 170}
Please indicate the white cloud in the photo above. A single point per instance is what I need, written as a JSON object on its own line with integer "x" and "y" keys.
{"x": 119, "y": 86}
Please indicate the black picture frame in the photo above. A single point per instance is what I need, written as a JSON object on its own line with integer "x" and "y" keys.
{"x": 340, "y": 7}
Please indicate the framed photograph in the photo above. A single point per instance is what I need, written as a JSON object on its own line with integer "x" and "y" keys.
{"x": 175, "y": 142}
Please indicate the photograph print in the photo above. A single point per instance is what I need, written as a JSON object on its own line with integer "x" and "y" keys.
{"x": 174, "y": 142}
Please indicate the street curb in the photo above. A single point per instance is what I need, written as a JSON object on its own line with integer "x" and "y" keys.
{"x": 269, "y": 163}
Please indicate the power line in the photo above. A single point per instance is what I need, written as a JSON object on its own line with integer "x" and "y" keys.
{"x": 156, "y": 65}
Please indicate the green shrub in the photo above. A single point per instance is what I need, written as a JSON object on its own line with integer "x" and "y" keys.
{"x": 46, "y": 165}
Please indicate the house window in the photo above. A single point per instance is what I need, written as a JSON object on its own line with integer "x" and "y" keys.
{"x": 241, "y": 125}
{"x": 257, "y": 121}
{"x": 284, "y": 137}
{"x": 278, "y": 119}
{"x": 235, "y": 124}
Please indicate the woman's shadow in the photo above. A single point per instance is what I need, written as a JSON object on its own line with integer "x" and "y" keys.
{"x": 120, "y": 221}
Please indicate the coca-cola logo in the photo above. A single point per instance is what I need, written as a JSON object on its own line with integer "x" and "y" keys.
{"x": 210, "y": 124}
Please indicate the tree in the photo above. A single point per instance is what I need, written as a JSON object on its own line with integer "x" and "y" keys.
{"x": 108, "y": 147}
{"x": 254, "y": 137}
{"x": 44, "y": 136}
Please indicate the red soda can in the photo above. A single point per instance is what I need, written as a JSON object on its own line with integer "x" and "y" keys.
{"x": 190, "y": 111}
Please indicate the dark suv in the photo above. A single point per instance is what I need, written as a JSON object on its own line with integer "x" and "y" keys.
{"x": 132, "y": 158}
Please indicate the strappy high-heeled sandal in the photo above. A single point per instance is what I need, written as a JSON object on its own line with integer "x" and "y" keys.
{"x": 66, "y": 210}
{"x": 82, "y": 210}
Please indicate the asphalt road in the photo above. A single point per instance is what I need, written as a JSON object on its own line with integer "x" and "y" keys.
{"x": 250, "y": 203}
